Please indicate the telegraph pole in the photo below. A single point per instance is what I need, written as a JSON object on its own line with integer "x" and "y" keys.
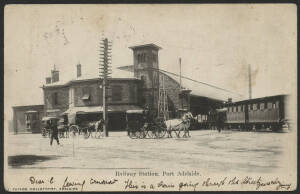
{"x": 250, "y": 84}
{"x": 105, "y": 71}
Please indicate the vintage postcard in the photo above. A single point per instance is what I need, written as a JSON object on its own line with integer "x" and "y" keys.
{"x": 150, "y": 97}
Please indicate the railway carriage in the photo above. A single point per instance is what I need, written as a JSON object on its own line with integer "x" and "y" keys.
{"x": 260, "y": 113}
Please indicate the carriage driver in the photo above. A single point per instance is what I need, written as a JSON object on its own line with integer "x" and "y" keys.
{"x": 147, "y": 115}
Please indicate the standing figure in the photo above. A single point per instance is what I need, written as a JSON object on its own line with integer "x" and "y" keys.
{"x": 220, "y": 121}
{"x": 54, "y": 134}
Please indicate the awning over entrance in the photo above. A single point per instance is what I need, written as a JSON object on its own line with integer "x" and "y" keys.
{"x": 53, "y": 110}
{"x": 99, "y": 109}
{"x": 31, "y": 111}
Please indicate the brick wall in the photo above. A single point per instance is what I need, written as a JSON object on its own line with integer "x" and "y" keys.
{"x": 128, "y": 93}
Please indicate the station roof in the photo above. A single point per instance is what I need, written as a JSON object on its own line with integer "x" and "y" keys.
{"x": 197, "y": 89}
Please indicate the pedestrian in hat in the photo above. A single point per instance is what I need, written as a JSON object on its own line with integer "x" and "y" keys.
{"x": 54, "y": 134}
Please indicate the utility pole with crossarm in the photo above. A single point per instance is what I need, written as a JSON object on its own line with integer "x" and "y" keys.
{"x": 105, "y": 72}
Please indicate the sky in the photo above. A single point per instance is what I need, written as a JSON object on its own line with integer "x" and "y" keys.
{"x": 216, "y": 43}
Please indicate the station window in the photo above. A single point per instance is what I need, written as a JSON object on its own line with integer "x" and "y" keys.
{"x": 86, "y": 91}
{"x": 55, "y": 98}
{"x": 154, "y": 58}
{"x": 117, "y": 93}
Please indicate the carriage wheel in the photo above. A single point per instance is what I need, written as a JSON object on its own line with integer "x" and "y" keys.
{"x": 74, "y": 131}
{"x": 143, "y": 133}
{"x": 133, "y": 134}
{"x": 151, "y": 134}
{"x": 61, "y": 134}
{"x": 44, "y": 132}
{"x": 86, "y": 133}
{"x": 67, "y": 132}
{"x": 160, "y": 132}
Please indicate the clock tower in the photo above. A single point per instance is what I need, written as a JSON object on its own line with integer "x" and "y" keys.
{"x": 146, "y": 68}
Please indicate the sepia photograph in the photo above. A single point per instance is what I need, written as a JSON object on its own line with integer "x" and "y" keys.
{"x": 150, "y": 97}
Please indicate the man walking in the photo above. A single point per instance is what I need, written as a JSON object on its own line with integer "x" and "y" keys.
{"x": 54, "y": 134}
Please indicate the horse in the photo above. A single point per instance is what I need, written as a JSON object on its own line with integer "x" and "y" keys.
{"x": 94, "y": 126}
{"x": 179, "y": 125}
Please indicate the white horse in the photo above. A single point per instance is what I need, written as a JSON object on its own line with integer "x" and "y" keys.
{"x": 179, "y": 125}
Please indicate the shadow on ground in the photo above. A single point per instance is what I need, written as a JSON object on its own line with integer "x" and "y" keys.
{"x": 21, "y": 160}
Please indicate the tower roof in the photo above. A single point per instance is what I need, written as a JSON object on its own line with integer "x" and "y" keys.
{"x": 145, "y": 45}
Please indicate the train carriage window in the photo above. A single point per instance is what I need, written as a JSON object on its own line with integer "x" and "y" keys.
{"x": 242, "y": 108}
{"x": 254, "y": 106}
{"x": 265, "y": 105}
{"x": 262, "y": 106}
{"x": 250, "y": 106}
{"x": 277, "y": 104}
{"x": 239, "y": 109}
{"x": 274, "y": 105}
{"x": 258, "y": 106}
{"x": 269, "y": 105}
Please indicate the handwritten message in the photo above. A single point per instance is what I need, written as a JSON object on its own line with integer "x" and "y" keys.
{"x": 155, "y": 181}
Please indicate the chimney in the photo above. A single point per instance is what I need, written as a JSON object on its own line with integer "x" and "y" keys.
{"x": 55, "y": 75}
{"x": 79, "y": 70}
{"x": 48, "y": 80}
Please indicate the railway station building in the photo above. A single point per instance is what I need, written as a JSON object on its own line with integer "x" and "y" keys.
{"x": 143, "y": 85}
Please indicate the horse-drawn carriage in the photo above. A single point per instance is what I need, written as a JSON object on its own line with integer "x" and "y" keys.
{"x": 63, "y": 128}
{"x": 141, "y": 124}
{"x": 86, "y": 127}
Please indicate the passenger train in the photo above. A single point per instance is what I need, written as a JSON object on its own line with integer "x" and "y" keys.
{"x": 259, "y": 113}
{"x": 252, "y": 114}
